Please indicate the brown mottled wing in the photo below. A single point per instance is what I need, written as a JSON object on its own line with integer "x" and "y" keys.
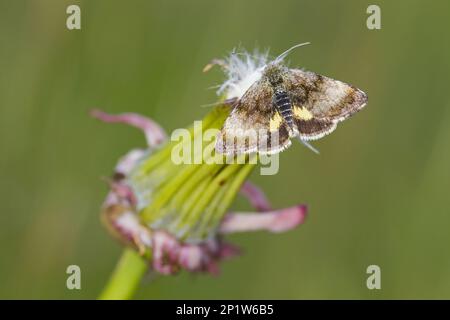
{"x": 254, "y": 125}
{"x": 321, "y": 102}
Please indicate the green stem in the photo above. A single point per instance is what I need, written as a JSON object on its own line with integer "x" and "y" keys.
{"x": 126, "y": 277}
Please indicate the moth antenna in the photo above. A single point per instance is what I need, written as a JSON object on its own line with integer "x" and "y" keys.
{"x": 308, "y": 145}
{"x": 284, "y": 54}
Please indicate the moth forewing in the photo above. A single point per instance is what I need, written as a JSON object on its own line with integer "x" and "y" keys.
{"x": 324, "y": 98}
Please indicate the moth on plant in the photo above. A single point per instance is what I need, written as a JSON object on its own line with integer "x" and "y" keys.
{"x": 176, "y": 215}
{"x": 273, "y": 103}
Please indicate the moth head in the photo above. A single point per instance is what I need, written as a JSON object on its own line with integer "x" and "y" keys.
{"x": 273, "y": 72}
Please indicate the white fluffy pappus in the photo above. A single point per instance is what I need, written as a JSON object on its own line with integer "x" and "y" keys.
{"x": 243, "y": 69}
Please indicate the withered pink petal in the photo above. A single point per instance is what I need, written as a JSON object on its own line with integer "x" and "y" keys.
{"x": 169, "y": 254}
{"x": 273, "y": 221}
{"x": 123, "y": 191}
{"x": 212, "y": 267}
{"x": 128, "y": 161}
{"x": 256, "y": 196}
{"x": 111, "y": 199}
{"x": 153, "y": 132}
{"x": 165, "y": 252}
{"x": 191, "y": 257}
{"x": 129, "y": 225}
{"x": 228, "y": 251}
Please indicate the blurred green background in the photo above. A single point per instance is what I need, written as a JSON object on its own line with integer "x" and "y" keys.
{"x": 378, "y": 192}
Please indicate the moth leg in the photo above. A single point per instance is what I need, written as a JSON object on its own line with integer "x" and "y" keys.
{"x": 216, "y": 62}
{"x": 308, "y": 145}
{"x": 229, "y": 102}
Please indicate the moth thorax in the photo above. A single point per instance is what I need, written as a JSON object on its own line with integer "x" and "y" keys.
{"x": 274, "y": 74}
{"x": 284, "y": 106}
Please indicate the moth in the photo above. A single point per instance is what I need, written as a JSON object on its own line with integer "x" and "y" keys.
{"x": 273, "y": 104}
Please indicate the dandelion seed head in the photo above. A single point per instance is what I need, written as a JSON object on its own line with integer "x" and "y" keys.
{"x": 244, "y": 69}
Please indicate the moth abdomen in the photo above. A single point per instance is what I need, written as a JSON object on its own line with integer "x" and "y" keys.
{"x": 284, "y": 105}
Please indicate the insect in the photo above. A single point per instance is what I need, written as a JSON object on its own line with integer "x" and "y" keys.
{"x": 273, "y": 104}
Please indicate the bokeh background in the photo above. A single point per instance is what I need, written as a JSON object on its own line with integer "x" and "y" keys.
{"x": 378, "y": 192}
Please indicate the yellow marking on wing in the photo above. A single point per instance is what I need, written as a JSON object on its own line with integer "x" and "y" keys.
{"x": 302, "y": 113}
{"x": 275, "y": 122}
